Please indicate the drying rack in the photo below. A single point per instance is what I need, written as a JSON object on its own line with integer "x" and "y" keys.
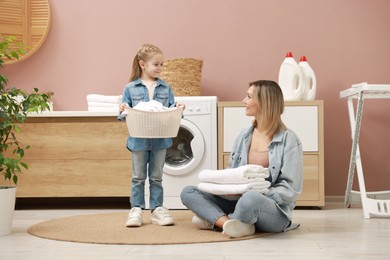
{"x": 373, "y": 203}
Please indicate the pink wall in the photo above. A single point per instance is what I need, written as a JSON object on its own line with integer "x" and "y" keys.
{"x": 91, "y": 45}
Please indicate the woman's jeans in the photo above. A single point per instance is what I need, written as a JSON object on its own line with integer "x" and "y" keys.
{"x": 147, "y": 164}
{"x": 252, "y": 207}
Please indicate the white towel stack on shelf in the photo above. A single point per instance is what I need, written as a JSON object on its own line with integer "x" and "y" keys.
{"x": 235, "y": 180}
{"x": 103, "y": 103}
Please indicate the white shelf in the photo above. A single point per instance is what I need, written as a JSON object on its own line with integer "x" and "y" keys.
{"x": 369, "y": 91}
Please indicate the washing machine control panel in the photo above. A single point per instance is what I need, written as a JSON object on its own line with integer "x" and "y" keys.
{"x": 196, "y": 105}
{"x": 197, "y": 108}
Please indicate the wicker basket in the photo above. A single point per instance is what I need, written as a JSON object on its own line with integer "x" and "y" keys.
{"x": 147, "y": 124}
{"x": 183, "y": 75}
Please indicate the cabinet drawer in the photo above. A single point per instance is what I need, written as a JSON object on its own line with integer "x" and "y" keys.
{"x": 75, "y": 139}
{"x": 76, "y": 178}
{"x": 310, "y": 190}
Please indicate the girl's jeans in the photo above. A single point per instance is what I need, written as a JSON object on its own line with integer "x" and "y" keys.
{"x": 147, "y": 164}
{"x": 253, "y": 207}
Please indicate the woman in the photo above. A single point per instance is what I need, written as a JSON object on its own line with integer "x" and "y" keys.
{"x": 267, "y": 142}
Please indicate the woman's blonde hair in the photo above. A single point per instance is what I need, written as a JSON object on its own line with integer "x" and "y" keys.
{"x": 145, "y": 52}
{"x": 270, "y": 99}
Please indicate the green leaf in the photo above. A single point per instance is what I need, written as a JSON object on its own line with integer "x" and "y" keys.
{"x": 15, "y": 179}
{"x": 25, "y": 165}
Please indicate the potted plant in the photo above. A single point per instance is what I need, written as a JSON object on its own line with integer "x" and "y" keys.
{"x": 15, "y": 104}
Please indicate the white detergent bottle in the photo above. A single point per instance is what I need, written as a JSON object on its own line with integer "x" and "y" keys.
{"x": 291, "y": 79}
{"x": 309, "y": 79}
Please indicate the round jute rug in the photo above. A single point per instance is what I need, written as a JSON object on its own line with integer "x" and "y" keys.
{"x": 109, "y": 228}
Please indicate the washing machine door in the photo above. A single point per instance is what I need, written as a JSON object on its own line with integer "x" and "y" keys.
{"x": 187, "y": 150}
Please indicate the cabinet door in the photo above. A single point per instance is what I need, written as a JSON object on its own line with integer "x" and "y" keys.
{"x": 303, "y": 120}
{"x": 234, "y": 120}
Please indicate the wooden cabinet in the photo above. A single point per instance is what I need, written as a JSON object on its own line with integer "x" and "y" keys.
{"x": 305, "y": 118}
{"x": 75, "y": 156}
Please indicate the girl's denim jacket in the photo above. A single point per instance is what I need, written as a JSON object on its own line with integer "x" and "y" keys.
{"x": 285, "y": 166}
{"x": 135, "y": 92}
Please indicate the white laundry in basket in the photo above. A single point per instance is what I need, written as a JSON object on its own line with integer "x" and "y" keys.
{"x": 152, "y": 120}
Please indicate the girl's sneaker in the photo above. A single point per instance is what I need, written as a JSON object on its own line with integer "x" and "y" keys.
{"x": 161, "y": 216}
{"x": 134, "y": 218}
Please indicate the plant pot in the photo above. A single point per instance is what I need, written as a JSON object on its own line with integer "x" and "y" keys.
{"x": 7, "y": 207}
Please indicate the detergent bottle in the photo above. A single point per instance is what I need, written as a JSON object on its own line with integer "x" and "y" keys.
{"x": 291, "y": 79}
{"x": 309, "y": 80}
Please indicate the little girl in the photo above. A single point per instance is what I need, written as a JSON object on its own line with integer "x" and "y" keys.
{"x": 148, "y": 154}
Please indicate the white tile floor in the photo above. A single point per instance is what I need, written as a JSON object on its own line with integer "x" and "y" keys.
{"x": 333, "y": 232}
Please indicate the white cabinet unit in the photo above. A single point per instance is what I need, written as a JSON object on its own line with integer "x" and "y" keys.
{"x": 305, "y": 118}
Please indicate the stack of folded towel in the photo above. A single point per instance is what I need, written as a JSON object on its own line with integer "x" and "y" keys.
{"x": 235, "y": 180}
{"x": 102, "y": 103}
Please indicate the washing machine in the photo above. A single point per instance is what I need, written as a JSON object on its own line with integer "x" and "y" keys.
{"x": 194, "y": 149}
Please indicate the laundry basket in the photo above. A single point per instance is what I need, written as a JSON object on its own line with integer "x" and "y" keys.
{"x": 148, "y": 124}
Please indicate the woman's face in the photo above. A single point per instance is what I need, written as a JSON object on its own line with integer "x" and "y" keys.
{"x": 252, "y": 107}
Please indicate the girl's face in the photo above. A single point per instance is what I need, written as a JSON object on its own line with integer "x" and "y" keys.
{"x": 152, "y": 68}
{"x": 252, "y": 107}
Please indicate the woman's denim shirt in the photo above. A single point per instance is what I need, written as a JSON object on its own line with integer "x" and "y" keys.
{"x": 285, "y": 166}
{"x": 135, "y": 92}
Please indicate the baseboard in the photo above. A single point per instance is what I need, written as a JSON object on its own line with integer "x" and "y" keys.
{"x": 334, "y": 199}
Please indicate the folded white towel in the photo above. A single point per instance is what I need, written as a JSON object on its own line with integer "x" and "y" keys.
{"x": 102, "y": 104}
{"x": 249, "y": 168}
{"x": 104, "y": 98}
{"x": 226, "y": 189}
{"x": 251, "y": 175}
{"x": 243, "y": 174}
{"x": 103, "y": 109}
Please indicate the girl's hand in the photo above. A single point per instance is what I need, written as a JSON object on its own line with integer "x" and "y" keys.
{"x": 123, "y": 106}
{"x": 180, "y": 105}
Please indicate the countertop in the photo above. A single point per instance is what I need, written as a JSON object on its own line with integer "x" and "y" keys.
{"x": 73, "y": 114}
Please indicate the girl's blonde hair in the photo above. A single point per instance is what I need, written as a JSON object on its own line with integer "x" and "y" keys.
{"x": 145, "y": 52}
{"x": 270, "y": 99}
